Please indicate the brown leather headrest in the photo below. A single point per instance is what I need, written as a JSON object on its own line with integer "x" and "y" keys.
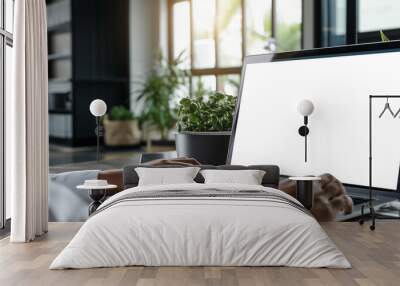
{"x": 113, "y": 177}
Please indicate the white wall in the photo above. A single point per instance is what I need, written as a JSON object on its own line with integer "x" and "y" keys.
{"x": 148, "y": 34}
{"x": 163, "y": 26}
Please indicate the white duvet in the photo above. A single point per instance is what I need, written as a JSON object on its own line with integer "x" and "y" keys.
{"x": 200, "y": 231}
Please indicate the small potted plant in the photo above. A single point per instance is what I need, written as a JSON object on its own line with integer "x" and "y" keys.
{"x": 121, "y": 127}
{"x": 204, "y": 126}
{"x": 158, "y": 92}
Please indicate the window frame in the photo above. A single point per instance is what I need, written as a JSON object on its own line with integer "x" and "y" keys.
{"x": 369, "y": 36}
{"x": 353, "y": 35}
{"x": 219, "y": 71}
{"x": 6, "y": 39}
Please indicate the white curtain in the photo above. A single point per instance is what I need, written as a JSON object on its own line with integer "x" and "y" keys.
{"x": 26, "y": 124}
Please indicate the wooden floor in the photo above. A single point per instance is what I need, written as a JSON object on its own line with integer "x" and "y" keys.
{"x": 375, "y": 257}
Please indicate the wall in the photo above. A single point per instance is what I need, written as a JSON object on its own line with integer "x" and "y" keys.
{"x": 148, "y": 34}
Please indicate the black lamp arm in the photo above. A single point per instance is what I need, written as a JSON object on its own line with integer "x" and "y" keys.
{"x": 304, "y": 131}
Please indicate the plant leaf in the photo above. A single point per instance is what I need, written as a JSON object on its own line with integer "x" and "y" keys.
{"x": 384, "y": 38}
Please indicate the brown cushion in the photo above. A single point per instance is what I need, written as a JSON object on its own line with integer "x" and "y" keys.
{"x": 113, "y": 177}
{"x": 330, "y": 197}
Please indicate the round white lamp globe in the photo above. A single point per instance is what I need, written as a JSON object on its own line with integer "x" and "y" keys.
{"x": 305, "y": 107}
{"x": 98, "y": 107}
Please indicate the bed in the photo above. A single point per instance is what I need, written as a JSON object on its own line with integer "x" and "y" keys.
{"x": 201, "y": 224}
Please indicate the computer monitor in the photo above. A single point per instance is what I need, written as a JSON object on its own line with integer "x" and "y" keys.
{"x": 338, "y": 81}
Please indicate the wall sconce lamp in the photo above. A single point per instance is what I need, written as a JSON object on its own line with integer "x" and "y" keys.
{"x": 98, "y": 108}
{"x": 305, "y": 108}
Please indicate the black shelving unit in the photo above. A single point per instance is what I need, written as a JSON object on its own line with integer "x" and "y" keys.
{"x": 88, "y": 46}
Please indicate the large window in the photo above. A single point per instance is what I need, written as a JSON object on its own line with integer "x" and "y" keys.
{"x": 373, "y": 16}
{"x": 214, "y": 35}
{"x": 356, "y": 21}
{"x": 6, "y": 43}
{"x": 378, "y": 15}
{"x": 331, "y": 23}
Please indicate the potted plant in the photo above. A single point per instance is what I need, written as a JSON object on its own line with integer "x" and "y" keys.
{"x": 204, "y": 125}
{"x": 121, "y": 127}
{"x": 158, "y": 92}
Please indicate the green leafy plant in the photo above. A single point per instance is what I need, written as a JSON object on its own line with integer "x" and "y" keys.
{"x": 158, "y": 91}
{"x": 120, "y": 113}
{"x": 206, "y": 111}
{"x": 288, "y": 35}
{"x": 384, "y": 38}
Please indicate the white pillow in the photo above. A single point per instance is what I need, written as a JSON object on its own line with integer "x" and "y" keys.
{"x": 248, "y": 177}
{"x": 166, "y": 176}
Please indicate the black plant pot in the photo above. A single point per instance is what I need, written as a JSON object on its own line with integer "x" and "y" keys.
{"x": 209, "y": 148}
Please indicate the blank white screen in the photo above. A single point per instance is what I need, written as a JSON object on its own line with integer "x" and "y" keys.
{"x": 266, "y": 131}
